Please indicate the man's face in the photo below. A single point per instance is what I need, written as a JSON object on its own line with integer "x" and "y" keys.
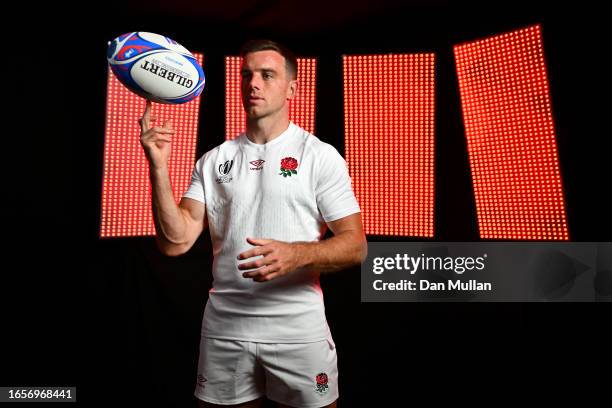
{"x": 265, "y": 84}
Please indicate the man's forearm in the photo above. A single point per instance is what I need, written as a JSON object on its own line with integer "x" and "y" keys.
{"x": 341, "y": 251}
{"x": 169, "y": 221}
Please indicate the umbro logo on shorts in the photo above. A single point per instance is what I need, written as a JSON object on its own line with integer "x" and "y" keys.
{"x": 257, "y": 164}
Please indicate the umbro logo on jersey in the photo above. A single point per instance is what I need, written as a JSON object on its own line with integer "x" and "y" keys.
{"x": 257, "y": 164}
{"x": 224, "y": 169}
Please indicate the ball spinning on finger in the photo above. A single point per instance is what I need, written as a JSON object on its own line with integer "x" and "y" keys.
{"x": 155, "y": 67}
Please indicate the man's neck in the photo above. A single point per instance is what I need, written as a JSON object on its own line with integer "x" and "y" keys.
{"x": 264, "y": 130}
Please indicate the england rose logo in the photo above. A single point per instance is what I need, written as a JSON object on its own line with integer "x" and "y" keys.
{"x": 322, "y": 387}
{"x": 288, "y": 166}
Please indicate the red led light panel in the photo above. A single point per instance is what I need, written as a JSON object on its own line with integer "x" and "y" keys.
{"x": 389, "y": 141}
{"x": 511, "y": 137}
{"x": 301, "y": 110}
{"x": 126, "y": 189}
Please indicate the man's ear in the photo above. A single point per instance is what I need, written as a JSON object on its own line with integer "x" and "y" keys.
{"x": 291, "y": 91}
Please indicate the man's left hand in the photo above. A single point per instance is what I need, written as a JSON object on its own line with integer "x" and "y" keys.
{"x": 279, "y": 258}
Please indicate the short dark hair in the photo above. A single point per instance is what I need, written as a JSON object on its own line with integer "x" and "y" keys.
{"x": 263, "y": 45}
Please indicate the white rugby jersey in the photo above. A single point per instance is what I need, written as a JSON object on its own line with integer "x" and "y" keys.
{"x": 285, "y": 190}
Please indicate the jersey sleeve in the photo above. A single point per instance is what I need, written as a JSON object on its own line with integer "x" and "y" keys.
{"x": 195, "y": 190}
{"x": 334, "y": 194}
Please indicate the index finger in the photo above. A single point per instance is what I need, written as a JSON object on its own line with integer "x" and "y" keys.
{"x": 147, "y": 112}
{"x": 262, "y": 250}
{"x": 145, "y": 120}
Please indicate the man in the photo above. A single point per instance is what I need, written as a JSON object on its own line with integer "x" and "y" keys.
{"x": 267, "y": 197}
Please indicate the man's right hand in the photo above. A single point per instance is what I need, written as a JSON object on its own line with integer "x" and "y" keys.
{"x": 155, "y": 140}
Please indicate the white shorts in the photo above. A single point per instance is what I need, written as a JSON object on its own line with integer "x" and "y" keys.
{"x": 301, "y": 375}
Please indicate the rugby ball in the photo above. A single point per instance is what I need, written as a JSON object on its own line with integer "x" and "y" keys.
{"x": 155, "y": 67}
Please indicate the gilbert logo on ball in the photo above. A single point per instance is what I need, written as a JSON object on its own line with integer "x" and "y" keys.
{"x": 155, "y": 67}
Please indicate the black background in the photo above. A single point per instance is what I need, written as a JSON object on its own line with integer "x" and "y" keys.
{"x": 118, "y": 320}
